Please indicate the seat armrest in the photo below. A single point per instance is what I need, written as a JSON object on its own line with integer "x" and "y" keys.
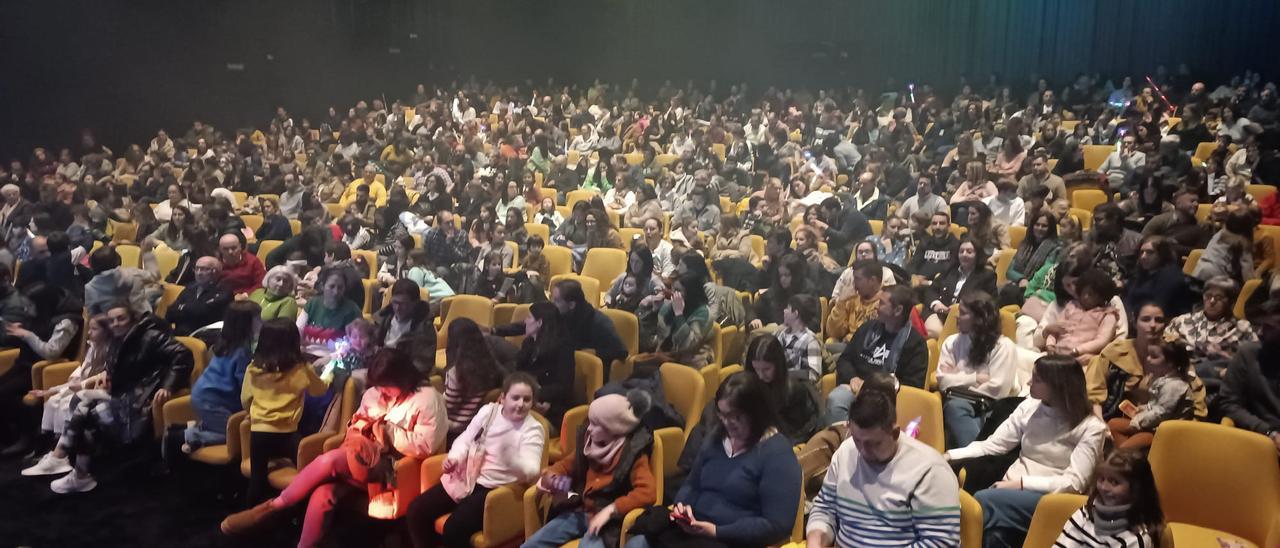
{"x": 499, "y": 507}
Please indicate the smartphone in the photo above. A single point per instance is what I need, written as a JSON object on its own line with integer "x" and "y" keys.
{"x": 675, "y": 516}
{"x": 1128, "y": 408}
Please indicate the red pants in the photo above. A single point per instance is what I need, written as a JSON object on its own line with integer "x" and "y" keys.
{"x": 327, "y": 479}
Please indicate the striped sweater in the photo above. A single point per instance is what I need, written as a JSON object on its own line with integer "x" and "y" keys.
{"x": 914, "y": 500}
{"x": 1079, "y": 533}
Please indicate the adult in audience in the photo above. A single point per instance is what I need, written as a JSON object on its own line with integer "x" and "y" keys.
{"x": 202, "y": 302}
{"x": 406, "y": 319}
{"x": 936, "y": 251}
{"x": 145, "y": 368}
{"x": 794, "y": 397}
{"x": 790, "y": 278}
{"x": 848, "y": 313}
{"x": 1180, "y": 224}
{"x": 640, "y": 265}
{"x": 1158, "y": 278}
{"x": 242, "y": 272}
{"x": 1121, "y": 164}
{"x": 1040, "y": 246}
{"x": 112, "y": 282}
{"x": 1230, "y": 252}
{"x": 1060, "y": 441}
{"x": 1040, "y": 177}
{"x": 924, "y": 200}
{"x": 842, "y": 225}
{"x": 888, "y": 343}
{"x": 276, "y": 296}
{"x": 546, "y": 355}
{"x": 976, "y": 367}
{"x": 1212, "y": 333}
{"x": 870, "y": 473}
{"x": 685, "y": 324}
{"x": 1250, "y": 395}
{"x": 737, "y": 492}
{"x": 323, "y": 319}
{"x": 971, "y": 274}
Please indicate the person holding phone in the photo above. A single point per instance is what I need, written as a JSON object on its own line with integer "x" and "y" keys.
{"x": 744, "y": 487}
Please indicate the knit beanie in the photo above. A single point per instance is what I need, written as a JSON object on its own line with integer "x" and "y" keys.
{"x": 613, "y": 412}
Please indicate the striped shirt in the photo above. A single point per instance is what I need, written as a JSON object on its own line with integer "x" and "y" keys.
{"x": 803, "y": 351}
{"x": 1079, "y": 533}
{"x": 913, "y": 500}
{"x": 460, "y": 407}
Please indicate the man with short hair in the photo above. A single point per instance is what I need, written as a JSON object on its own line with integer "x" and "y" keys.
{"x": 1180, "y": 224}
{"x": 242, "y": 272}
{"x": 377, "y": 191}
{"x": 923, "y": 200}
{"x": 843, "y": 225}
{"x": 1040, "y": 176}
{"x": 1250, "y": 393}
{"x": 888, "y": 343}
{"x": 883, "y": 488}
{"x": 849, "y": 313}
{"x": 201, "y": 303}
{"x": 1121, "y": 164}
{"x": 868, "y": 199}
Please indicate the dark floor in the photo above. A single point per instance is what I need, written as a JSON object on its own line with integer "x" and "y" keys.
{"x": 133, "y": 507}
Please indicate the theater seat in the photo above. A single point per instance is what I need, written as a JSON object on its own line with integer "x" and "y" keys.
{"x": 1052, "y": 513}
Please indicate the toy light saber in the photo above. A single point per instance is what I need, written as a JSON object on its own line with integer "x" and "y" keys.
{"x": 1172, "y": 109}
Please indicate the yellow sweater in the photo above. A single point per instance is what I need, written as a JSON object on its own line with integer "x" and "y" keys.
{"x": 274, "y": 400}
{"x": 848, "y": 315}
{"x": 377, "y": 193}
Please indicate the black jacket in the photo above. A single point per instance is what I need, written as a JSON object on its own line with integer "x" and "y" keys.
{"x": 420, "y": 341}
{"x": 846, "y": 230}
{"x": 598, "y": 334}
{"x": 943, "y": 287}
{"x": 1250, "y": 393}
{"x": 555, "y": 372}
{"x": 933, "y": 256}
{"x": 865, "y": 355}
{"x": 197, "y": 306}
{"x": 1166, "y": 286}
{"x": 148, "y": 358}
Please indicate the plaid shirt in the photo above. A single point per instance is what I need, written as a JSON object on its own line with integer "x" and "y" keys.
{"x": 444, "y": 249}
{"x": 803, "y": 350}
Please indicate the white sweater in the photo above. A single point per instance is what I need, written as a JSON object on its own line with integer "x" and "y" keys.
{"x": 1054, "y": 458}
{"x": 512, "y": 450}
{"x": 911, "y": 501}
{"x": 954, "y": 369}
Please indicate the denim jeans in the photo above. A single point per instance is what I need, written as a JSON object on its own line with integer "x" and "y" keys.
{"x": 562, "y": 529}
{"x": 1008, "y": 510}
{"x": 838, "y": 404}
{"x": 962, "y": 421}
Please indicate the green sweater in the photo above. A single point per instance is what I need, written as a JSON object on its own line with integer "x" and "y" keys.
{"x": 275, "y": 307}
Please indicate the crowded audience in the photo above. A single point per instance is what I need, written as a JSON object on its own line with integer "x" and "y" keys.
{"x": 504, "y": 277}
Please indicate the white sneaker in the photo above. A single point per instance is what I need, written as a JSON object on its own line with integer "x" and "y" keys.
{"x": 48, "y": 465}
{"x": 73, "y": 483}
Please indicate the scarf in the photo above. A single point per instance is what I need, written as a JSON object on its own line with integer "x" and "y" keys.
{"x": 603, "y": 456}
{"x": 1110, "y": 520}
{"x": 895, "y": 347}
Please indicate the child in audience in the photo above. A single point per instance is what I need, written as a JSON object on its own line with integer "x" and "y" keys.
{"x": 1169, "y": 365}
{"x": 420, "y": 273}
{"x": 534, "y": 264}
{"x": 1088, "y": 322}
{"x": 502, "y": 444}
{"x": 801, "y": 345}
{"x": 470, "y": 373}
{"x": 215, "y": 396}
{"x": 644, "y": 306}
{"x": 273, "y": 391}
{"x": 91, "y": 374}
{"x": 607, "y": 475}
{"x": 1123, "y": 509}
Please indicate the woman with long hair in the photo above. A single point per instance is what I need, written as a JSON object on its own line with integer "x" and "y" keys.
{"x": 684, "y": 323}
{"x": 1040, "y": 246}
{"x": 795, "y": 400}
{"x": 743, "y": 442}
{"x": 1158, "y": 278}
{"x": 548, "y": 358}
{"x": 969, "y": 275}
{"x": 640, "y": 265}
{"x": 790, "y": 278}
{"x": 976, "y": 366}
{"x": 991, "y": 236}
{"x": 216, "y": 395}
{"x": 176, "y": 232}
{"x": 600, "y": 230}
{"x": 470, "y": 373}
{"x": 1059, "y": 440}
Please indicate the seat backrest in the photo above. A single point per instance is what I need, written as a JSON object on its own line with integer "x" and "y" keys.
{"x": 1088, "y": 198}
{"x": 1246, "y": 291}
{"x": 559, "y": 259}
{"x": 914, "y": 402}
{"x": 604, "y": 264}
{"x": 970, "y": 521}
{"x": 166, "y": 260}
{"x": 589, "y": 376}
{"x": 627, "y": 326}
{"x": 729, "y": 371}
{"x": 199, "y": 352}
{"x": 931, "y": 378}
{"x": 710, "y": 381}
{"x": 1052, "y": 513}
{"x": 1094, "y": 155}
{"x": 265, "y": 247}
{"x": 1217, "y": 477}
{"x": 672, "y": 440}
{"x": 130, "y": 255}
{"x": 684, "y": 389}
{"x": 1193, "y": 258}
{"x": 590, "y": 287}
{"x": 573, "y": 418}
{"x": 370, "y": 258}
{"x": 1004, "y": 258}
{"x": 1016, "y": 235}
{"x": 171, "y": 292}
{"x": 252, "y": 222}
{"x": 474, "y": 307}
{"x": 539, "y": 229}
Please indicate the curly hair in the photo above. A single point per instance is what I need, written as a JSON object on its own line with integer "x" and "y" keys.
{"x": 985, "y": 331}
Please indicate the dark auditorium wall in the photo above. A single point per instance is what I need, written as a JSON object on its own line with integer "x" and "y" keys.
{"x": 125, "y": 68}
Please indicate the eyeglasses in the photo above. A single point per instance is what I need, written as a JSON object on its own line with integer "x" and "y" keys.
{"x": 1218, "y": 297}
